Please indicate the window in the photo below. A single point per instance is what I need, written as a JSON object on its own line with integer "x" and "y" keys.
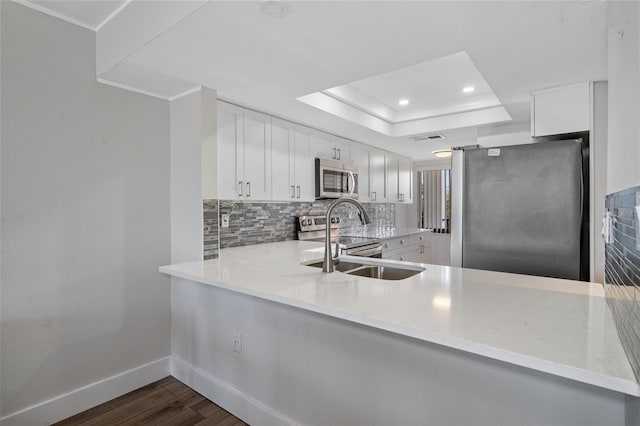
{"x": 434, "y": 196}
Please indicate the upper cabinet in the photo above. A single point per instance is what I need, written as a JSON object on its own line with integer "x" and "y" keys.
{"x": 331, "y": 147}
{"x": 405, "y": 180}
{"x": 244, "y": 153}
{"x": 559, "y": 110}
{"x": 303, "y": 164}
{"x": 377, "y": 175}
{"x": 266, "y": 158}
{"x": 360, "y": 155}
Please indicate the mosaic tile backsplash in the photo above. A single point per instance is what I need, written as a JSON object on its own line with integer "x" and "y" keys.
{"x": 255, "y": 223}
{"x": 622, "y": 270}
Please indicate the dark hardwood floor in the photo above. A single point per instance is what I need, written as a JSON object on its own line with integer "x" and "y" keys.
{"x": 165, "y": 402}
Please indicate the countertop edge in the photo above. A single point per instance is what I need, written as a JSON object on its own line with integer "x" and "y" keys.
{"x": 561, "y": 370}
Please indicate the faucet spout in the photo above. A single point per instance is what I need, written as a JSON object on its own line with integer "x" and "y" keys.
{"x": 364, "y": 219}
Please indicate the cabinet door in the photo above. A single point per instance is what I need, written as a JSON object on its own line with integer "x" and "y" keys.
{"x": 558, "y": 110}
{"x": 282, "y": 179}
{"x": 377, "y": 176}
{"x": 303, "y": 165}
{"x": 405, "y": 175}
{"x": 256, "y": 153}
{"x": 230, "y": 136}
{"x": 360, "y": 157}
{"x": 324, "y": 145}
{"x": 343, "y": 150}
{"x": 392, "y": 179}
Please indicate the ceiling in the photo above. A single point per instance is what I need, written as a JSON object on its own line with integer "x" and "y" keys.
{"x": 267, "y": 63}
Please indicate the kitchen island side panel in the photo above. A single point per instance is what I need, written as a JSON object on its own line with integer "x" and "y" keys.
{"x": 306, "y": 368}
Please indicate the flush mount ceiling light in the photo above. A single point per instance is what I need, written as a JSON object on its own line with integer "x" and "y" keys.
{"x": 468, "y": 89}
{"x": 403, "y": 102}
{"x": 442, "y": 153}
{"x": 274, "y": 8}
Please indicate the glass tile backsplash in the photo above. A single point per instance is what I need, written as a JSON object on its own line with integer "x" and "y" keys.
{"x": 622, "y": 270}
{"x": 263, "y": 222}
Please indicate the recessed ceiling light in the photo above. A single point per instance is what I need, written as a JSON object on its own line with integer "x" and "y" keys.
{"x": 403, "y": 102}
{"x": 274, "y": 8}
{"x": 442, "y": 153}
{"x": 468, "y": 89}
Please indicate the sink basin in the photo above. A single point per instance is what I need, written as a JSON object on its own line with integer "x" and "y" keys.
{"x": 381, "y": 272}
{"x": 338, "y": 265}
{"x": 384, "y": 272}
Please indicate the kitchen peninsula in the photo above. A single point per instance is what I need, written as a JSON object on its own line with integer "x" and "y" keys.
{"x": 278, "y": 342}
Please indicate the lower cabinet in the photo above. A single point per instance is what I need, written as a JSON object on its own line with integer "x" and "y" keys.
{"x": 410, "y": 248}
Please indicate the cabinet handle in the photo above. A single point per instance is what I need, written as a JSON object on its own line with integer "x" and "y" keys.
{"x": 240, "y": 189}
{"x": 248, "y": 189}
{"x": 421, "y": 237}
{"x": 338, "y": 153}
{"x": 386, "y": 245}
{"x": 401, "y": 257}
{"x": 422, "y": 249}
{"x": 401, "y": 241}
{"x": 373, "y": 196}
{"x": 334, "y": 154}
{"x": 293, "y": 192}
{"x": 298, "y": 188}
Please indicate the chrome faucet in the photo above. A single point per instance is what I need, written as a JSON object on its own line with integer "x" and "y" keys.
{"x": 364, "y": 218}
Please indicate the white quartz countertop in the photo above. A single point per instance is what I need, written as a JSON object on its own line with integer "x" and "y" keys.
{"x": 560, "y": 327}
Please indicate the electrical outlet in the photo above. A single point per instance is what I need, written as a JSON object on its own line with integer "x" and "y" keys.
{"x": 225, "y": 220}
{"x": 237, "y": 342}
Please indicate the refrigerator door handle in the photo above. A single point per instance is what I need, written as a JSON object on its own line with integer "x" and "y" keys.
{"x": 457, "y": 190}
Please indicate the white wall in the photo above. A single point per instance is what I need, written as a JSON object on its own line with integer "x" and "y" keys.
{"x": 186, "y": 202}
{"x": 623, "y": 159}
{"x": 85, "y": 216}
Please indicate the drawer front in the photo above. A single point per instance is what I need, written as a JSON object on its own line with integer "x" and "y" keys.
{"x": 395, "y": 243}
{"x": 419, "y": 238}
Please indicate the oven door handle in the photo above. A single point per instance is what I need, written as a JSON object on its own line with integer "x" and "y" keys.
{"x": 366, "y": 253}
{"x": 353, "y": 179}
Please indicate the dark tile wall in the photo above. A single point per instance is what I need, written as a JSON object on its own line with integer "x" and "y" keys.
{"x": 622, "y": 270}
{"x": 264, "y": 222}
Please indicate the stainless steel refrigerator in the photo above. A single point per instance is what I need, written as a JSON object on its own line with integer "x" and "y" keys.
{"x": 522, "y": 209}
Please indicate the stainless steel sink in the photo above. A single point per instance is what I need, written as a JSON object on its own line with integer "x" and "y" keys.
{"x": 381, "y": 272}
{"x": 384, "y": 272}
{"x": 339, "y": 265}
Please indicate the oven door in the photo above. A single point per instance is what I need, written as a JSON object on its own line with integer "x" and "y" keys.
{"x": 334, "y": 180}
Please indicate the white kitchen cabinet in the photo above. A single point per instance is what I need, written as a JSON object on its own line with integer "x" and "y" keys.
{"x": 393, "y": 193}
{"x": 244, "y": 153}
{"x": 282, "y": 160}
{"x": 411, "y": 248}
{"x": 292, "y": 175}
{"x": 230, "y": 129}
{"x": 377, "y": 175}
{"x": 559, "y": 110}
{"x": 303, "y": 165}
{"x": 331, "y": 147}
{"x": 405, "y": 180}
{"x": 360, "y": 157}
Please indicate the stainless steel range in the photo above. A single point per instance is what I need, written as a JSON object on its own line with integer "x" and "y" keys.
{"x": 313, "y": 228}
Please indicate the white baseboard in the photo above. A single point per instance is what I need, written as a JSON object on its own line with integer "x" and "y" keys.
{"x": 226, "y": 396}
{"x": 81, "y": 399}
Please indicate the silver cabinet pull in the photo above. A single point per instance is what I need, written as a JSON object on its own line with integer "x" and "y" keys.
{"x": 386, "y": 245}
{"x": 401, "y": 257}
{"x": 334, "y": 154}
{"x": 373, "y": 196}
{"x": 293, "y": 192}
{"x": 422, "y": 249}
{"x": 421, "y": 237}
{"x": 338, "y": 153}
{"x": 239, "y": 188}
{"x": 298, "y": 188}
{"x": 248, "y": 189}
{"x": 401, "y": 241}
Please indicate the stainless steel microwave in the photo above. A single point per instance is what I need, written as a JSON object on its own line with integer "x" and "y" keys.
{"x": 335, "y": 179}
